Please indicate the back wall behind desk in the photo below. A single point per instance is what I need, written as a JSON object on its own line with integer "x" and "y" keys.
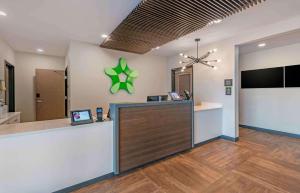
{"x": 89, "y": 86}
{"x": 271, "y": 108}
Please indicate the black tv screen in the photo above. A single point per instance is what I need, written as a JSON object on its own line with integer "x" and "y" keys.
{"x": 263, "y": 78}
{"x": 292, "y": 76}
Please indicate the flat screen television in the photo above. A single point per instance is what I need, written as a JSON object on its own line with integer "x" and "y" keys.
{"x": 263, "y": 78}
{"x": 292, "y": 76}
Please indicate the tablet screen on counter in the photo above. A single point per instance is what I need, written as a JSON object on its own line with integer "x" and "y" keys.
{"x": 81, "y": 117}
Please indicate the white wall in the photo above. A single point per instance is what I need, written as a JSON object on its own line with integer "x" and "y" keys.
{"x": 89, "y": 86}
{"x": 25, "y": 67}
{"x": 271, "y": 108}
{"x": 209, "y": 84}
{"x": 6, "y": 53}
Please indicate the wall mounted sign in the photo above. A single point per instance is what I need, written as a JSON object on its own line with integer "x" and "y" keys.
{"x": 228, "y": 82}
{"x": 228, "y": 90}
{"x": 116, "y": 73}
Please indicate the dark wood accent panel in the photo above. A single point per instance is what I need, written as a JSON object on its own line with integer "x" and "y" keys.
{"x": 156, "y": 22}
{"x": 149, "y": 133}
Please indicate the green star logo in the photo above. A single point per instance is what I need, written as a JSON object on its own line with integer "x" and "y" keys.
{"x": 116, "y": 72}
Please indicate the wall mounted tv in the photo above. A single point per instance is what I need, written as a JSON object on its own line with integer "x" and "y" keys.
{"x": 292, "y": 76}
{"x": 263, "y": 78}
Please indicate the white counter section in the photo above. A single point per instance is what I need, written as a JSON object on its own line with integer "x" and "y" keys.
{"x": 42, "y": 157}
{"x": 207, "y": 121}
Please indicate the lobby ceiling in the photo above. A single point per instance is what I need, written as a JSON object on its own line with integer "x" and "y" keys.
{"x": 279, "y": 40}
{"x": 154, "y": 23}
{"x": 53, "y": 24}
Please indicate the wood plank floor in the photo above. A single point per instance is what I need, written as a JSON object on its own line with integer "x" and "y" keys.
{"x": 258, "y": 163}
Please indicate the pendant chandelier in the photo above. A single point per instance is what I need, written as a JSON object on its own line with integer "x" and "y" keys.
{"x": 191, "y": 60}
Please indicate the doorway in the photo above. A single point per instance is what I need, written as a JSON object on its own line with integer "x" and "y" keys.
{"x": 182, "y": 80}
{"x": 50, "y": 94}
{"x": 10, "y": 84}
{"x": 269, "y": 88}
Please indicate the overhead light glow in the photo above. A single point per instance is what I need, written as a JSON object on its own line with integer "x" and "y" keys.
{"x": 185, "y": 56}
{"x": 219, "y": 60}
{"x": 180, "y": 62}
{"x": 181, "y": 54}
{"x": 184, "y": 67}
{"x": 215, "y": 68}
{"x": 213, "y": 50}
{"x": 262, "y": 45}
{"x": 39, "y": 50}
{"x": 218, "y": 21}
{"x": 215, "y": 21}
{"x": 104, "y": 36}
{"x": 2, "y": 13}
{"x": 157, "y": 48}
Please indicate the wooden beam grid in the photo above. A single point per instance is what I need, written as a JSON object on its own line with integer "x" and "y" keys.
{"x": 156, "y": 22}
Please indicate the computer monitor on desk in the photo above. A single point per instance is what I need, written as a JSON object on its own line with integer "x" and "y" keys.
{"x": 157, "y": 98}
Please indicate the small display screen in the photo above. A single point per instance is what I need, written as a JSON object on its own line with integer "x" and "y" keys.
{"x": 175, "y": 96}
{"x": 81, "y": 116}
{"x": 99, "y": 110}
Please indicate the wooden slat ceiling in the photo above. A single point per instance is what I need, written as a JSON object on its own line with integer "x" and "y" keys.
{"x": 156, "y": 22}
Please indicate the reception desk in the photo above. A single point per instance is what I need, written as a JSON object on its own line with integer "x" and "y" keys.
{"x": 47, "y": 156}
{"x": 146, "y": 132}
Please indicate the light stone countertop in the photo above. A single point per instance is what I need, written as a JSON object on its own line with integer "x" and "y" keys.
{"x": 205, "y": 106}
{"x": 6, "y": 116}
{"x": 38, "y": 126}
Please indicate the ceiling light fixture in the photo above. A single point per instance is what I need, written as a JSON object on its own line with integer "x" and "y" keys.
{"x": 198, "y": 60}
{"x": 2, "y": 13}
{"x": 104, "y": 36}
{"x": 215, "y": 21}
{"x": 262, "y": 45}
{"x": 39, "y": 50}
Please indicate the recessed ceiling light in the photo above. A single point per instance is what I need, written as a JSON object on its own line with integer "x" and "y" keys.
{"x": 215, "y": 21}
{"x": 2, "y": 13}
{"x": 213, "y": 50}
{"x": 262, "y": 45}
{"x": 104, "y": 36}
{"x": 39, "y": 50}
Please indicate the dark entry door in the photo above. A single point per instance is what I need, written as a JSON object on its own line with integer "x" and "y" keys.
{"x": 10, "y": 84}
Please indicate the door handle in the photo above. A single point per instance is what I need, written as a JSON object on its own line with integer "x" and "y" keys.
{"x": 39, "y": 101}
